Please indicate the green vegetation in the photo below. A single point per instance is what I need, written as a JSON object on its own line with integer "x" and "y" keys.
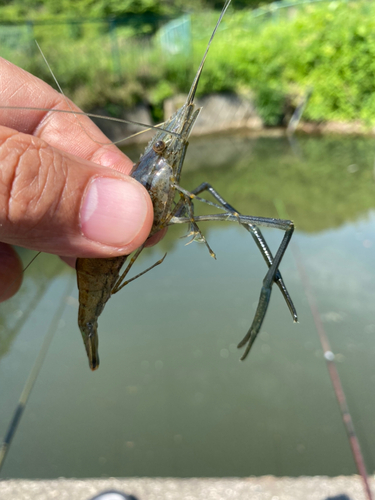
{"x": 329, "y": 47}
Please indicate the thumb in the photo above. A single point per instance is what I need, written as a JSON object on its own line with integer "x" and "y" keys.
{"x": 55, "y": 202}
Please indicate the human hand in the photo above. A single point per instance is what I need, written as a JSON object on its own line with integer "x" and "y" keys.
{"x": 60, "y": 191}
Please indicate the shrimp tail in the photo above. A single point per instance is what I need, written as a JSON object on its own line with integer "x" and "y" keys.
{"x": 91, "y": 341}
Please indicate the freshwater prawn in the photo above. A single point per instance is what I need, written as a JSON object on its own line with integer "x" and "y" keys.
{"x": 159, "y": 170}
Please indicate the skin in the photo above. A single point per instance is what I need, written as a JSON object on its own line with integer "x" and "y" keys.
{"x": 48, "y": 164}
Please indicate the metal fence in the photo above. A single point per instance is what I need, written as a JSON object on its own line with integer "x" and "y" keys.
{"x": 125, "y": 42}
{"x": 94, "y": 55}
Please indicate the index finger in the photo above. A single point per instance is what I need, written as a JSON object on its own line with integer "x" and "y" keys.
{"x": 77, "y": 135}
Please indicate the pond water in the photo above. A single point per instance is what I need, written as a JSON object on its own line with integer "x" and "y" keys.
{"x": 171, "y": 397}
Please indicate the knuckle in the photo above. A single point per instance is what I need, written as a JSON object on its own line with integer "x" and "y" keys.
{"x": 31, "y": 183}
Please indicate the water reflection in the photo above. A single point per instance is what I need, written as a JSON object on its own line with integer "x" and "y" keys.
{"x": 329, "y": 183}
{"x": 15, "y": 313}
{"x": 171, "y": 398}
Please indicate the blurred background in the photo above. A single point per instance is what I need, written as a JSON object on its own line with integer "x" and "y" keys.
{"x": 170, "y": 397}
{"x": 113, "y": 54}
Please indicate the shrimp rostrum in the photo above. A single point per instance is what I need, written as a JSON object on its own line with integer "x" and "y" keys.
{"x": 159, "y": 170}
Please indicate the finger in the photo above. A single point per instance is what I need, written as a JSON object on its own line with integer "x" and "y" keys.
{"x": 10, "y": 272}
{"x": 71, "y": 261}
{"x": 57, "y": 203}
{"x": 150, "y": 242}
{"x": 155, "y": 238}
{"x": 77, "y": 135}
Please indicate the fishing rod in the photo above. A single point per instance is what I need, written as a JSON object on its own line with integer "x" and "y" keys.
{"x": 33, "y": 375}
{"x": 331, "y": 365}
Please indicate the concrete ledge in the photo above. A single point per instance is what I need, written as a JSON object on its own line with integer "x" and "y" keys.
{"x": 116, "y": 131}
{"x": 334, "y": 127}
{"x": 261, "y": 488}
{"x": 220, "y": 112}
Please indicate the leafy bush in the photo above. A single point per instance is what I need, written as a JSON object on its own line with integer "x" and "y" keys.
{"x": 327, "y": 47}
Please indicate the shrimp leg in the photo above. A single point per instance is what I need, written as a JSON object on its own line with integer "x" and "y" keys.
{"x": 120, "y": 283}
{"x": 270, "y": 277}
{"x": 253, "y": 230}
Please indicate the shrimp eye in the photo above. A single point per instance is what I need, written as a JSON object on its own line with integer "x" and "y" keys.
{"x": 159, "y": 146}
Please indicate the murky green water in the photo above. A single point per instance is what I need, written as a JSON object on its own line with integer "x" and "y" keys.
{"x": 170, "y": 397}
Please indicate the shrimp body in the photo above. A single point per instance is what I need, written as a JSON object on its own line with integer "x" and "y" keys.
{"x": 157, "y": 170}
{"x": 95, "y": 278}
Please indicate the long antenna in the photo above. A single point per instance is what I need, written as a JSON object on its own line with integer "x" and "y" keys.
{"x": 194, "y": 85}
{"x": 93, "y": 115}
{"x": 2, "y": 293}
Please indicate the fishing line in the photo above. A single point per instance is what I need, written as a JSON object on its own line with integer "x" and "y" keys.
{"x": 33, "y": 375}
